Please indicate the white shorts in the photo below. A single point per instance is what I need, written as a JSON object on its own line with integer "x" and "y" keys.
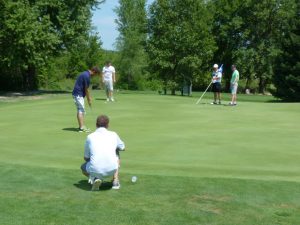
{"x": 233, "y": 88}
{"x": 108, "y": 85}
{"x": 79, "y": 102}
{"x": 108, "y": 173}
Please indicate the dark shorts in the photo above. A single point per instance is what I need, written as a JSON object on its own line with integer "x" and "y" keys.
{"x": 216, "y": 87}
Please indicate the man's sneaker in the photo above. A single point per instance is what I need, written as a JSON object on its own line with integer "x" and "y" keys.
{"x": 112, "y": 100}
{"x": 96, "y": 184}
{"x": 213, "y": 103}
{"x": 116, "y": 185}
{"x": 231, "y": 104}
{"x": 220, "y": 103}
{"x": 84, "y": 130}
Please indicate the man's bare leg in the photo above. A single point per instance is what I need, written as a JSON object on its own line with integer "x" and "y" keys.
{"x": 80, "y": 118}
{"x": 219, "y": 97}
{"x": 116, "y": 182}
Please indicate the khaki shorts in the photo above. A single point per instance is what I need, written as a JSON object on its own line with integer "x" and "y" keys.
{"x": 233, "y": 88}
{"x": 108, "y": 85}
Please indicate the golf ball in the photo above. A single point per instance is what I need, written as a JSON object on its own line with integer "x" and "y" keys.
{"x": 133, "y": 179}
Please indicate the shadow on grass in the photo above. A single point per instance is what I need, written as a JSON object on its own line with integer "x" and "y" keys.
{"x": 213, "y": 105}
{"x": 70, "y": 129}
{"x": 84, "y": 185}
{"x": 100, "y": 99}
{"x": 32, "y": 93}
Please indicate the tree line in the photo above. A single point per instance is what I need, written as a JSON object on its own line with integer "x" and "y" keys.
{"x": 166, "y": 45}
{"x": 38, "y": 38}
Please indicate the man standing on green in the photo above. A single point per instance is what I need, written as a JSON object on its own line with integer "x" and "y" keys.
{"x": 216, "y": 84}
{"x": 234, "y": 84}
{"x": 109, "y": 78}
{"x": 81, "y": 89}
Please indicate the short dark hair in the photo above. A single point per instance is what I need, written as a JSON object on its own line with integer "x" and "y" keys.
{"x": 96, "y": 69}
{"x": 102, "y": 121}
{"x": 107, "y": 62}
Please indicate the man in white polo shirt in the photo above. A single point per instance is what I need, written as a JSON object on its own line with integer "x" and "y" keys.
{"x": 109, "y": 78}
{"x": 216, "y": 84}
{"x": 100, "y": 154}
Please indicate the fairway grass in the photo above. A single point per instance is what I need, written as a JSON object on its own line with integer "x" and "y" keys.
{"x": 196, "y": 164}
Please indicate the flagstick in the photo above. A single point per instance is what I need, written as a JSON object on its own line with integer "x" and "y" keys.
{"x": 203, "y": 94}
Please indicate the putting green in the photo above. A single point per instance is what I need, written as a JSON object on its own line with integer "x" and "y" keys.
{"x": 168, "y": 138}
{"x": 164, "y": 135}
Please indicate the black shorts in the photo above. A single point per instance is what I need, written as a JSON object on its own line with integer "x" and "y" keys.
{"x": 216, "y": 87}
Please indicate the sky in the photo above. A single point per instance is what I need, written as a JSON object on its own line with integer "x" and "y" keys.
{"x": 104, "y": 21}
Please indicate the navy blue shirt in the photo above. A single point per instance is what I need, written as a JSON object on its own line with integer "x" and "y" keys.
{"x": 82, "y": 82}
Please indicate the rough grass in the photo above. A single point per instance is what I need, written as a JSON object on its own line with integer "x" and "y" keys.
{"x": 196, "y": 164}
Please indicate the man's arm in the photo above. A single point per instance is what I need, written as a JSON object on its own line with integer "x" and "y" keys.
{"x": 120, "y": 144}
{"x": 88, "y": 96}
{"x": 114, "y": 77}
{"x": 102, "y": 77}
{"x": 217, "y": 76}
{"x": 87, "y": 151}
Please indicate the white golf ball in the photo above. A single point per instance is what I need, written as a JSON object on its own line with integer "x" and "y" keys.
{"x": 133, "y": 179}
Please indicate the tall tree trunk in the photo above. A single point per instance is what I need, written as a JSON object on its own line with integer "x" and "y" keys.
{"x": 262, "y": 85}
{"x": 29, "y": 79}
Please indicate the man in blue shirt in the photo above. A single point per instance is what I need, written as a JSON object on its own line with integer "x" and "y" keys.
{"x": 81, "y": 89}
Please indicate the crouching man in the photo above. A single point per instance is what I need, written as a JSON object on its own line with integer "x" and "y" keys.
{"x": 100, "y": 155}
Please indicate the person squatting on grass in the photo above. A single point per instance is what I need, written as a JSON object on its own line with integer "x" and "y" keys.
{"x": 101, "y": 155}
{"x": 81, "y": 89}
{"x": 108, "y": 79}
{"x": 234, "y": 84}
{"x": 216, "y": 84}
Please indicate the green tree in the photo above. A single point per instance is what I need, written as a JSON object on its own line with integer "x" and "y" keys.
{"x": 26, "y": 41}
{"x": 132, "y": 27}
{"x": 180, "y": 46}
{"x": 228, "y": 28}
{"x": 34, "y": 31}
{"x": 248, "y": 33}
{"x": 85, "y": 55}
{"x": 69, "y": 63}
{"x": 287, "y": 64}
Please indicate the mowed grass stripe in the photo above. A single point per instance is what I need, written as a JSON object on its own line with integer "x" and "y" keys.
{"x": 59, "y": 196}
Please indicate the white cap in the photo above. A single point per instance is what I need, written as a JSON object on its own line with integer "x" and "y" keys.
{"x": 215, "y": 66}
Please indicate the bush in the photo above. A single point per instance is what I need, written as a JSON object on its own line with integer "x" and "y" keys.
{"x": 150, "y": 85}
{"x": 252, "y": 86}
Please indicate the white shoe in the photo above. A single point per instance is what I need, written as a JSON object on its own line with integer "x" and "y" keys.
{"x": 116, "y": 185}
{"x": 107, "y": 99}
{"x": 96, "y": 184}
{"x": 84, "y": 129}
{"x": 112, "y": 100}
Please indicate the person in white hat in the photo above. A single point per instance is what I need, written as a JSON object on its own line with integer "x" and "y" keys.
{"x": 216, "y": 84}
